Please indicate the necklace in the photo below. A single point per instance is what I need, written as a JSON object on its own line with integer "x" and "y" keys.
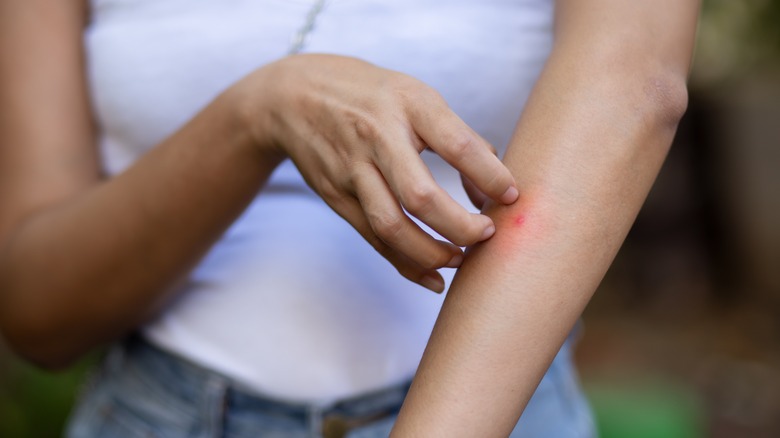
{"x": 299, "y": 39}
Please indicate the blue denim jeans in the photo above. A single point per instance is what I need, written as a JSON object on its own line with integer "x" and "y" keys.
{"x": 141, "y": 391}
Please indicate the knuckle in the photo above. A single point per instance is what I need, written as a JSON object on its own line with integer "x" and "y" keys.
{"x": 365, "y": 128}
{"x": 461, "y": 144}
{"x": 416, "y": 93}
{"x": 436, "y": 260}
{"x": 388, "y": 226}
{"x": 329, "y": 193}
{"x": 419, "y": 198}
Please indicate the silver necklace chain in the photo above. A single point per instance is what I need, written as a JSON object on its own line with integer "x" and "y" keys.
{"x": 299, "y": 39}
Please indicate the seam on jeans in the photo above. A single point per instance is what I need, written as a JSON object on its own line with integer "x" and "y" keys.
{"x": 126, "y": 420}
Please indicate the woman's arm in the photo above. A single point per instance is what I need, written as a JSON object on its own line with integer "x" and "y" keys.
{"x": 585, "y": 153}
{"x": 83, "y": 260}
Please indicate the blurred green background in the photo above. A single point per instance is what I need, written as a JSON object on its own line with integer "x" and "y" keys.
{"x": 34, "y": 403}
{"x": 683, "y": 338}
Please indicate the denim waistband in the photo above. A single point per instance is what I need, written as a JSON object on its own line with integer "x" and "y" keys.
{"x": 190, "y": 383}
{"x": 144, "y": 391}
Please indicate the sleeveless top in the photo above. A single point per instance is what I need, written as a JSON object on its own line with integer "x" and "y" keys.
{"x": 291, "y": 302}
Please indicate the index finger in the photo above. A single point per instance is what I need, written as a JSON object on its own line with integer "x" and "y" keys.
{"x": 452, "y": 139}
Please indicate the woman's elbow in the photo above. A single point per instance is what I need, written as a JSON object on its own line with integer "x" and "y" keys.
{"x": 653, "y": 87}
{"x": 667, "y": 95}
{"x": 36, "y": 340}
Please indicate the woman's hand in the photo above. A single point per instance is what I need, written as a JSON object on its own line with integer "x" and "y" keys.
{"x": 355, "y": 131}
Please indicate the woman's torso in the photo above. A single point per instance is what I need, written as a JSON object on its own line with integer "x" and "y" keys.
{"x": 291, "y": 301}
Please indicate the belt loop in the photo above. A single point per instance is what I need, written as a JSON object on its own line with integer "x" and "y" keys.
{"x": 215, "y": 398}
{"x": 315, "y": 421}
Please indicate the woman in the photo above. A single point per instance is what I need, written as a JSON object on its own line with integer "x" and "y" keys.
{"x": 259, "y": 311}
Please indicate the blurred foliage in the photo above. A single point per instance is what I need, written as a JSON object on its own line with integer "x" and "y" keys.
{"x": 737, "y": 37}
{"x": 35, "y": 403}
{"x": 645, "y": 408}
{"x": 768, "y": 25}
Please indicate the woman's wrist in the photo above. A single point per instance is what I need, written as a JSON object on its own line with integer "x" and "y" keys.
{"x": 250, "y": 118}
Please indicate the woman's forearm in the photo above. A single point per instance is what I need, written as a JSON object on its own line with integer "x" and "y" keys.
{"x": 585, "y": 153}
{"x": 83, "y": 272}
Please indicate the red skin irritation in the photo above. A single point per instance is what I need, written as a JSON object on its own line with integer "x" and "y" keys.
{"x": 516, "y": 223}
{"x": 514, "y": 228}
{"x": 511, "y": 228}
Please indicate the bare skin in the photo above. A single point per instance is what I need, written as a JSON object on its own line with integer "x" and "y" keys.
{"x": 84, "y": 259}
{"x": 585, "y": 153}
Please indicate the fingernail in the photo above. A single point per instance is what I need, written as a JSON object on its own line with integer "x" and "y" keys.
{"x": 489, "y": 231}
{"x": 433, "y": 283}
{"x": 510, "y": 195}
{"x": 455, "y": 261}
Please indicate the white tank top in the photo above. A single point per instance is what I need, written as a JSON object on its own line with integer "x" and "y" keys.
{"x": 291, "y": 301}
